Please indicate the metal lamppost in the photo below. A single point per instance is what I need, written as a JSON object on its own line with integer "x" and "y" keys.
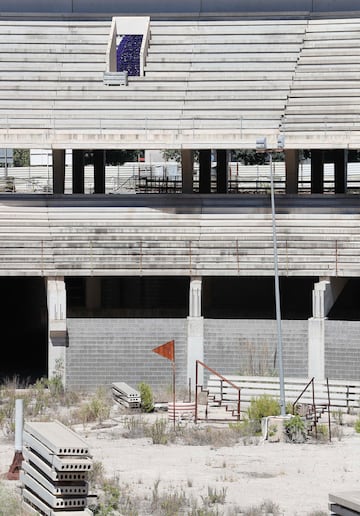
{"x": 261, "y": 146}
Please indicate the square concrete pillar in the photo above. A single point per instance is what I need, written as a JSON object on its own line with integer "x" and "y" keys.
{"x": 340, "y": 170}
{"x": 57, "y": 336}
{"x": 195, "y": 334}
{"x": 316, "y": 348}
{"x": 292, "y": 171}
{"x": 222, "y": 160}
{"x": 317, "y": 171}
{"x": 187, "y": 170}
{"x": 205, "y": 171}
{"x": 99, "y": 171}
{"x": 78, "y": 171}
{"x": 58, "y": 160}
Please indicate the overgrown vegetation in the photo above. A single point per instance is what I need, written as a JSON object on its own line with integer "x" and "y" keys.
{"x": 147, "y": 397}
{"x": 357, "y": 426}
{"x": 260, "y": 407}
{"x": 295, "y": 429}
{"x": 47, "y": 399}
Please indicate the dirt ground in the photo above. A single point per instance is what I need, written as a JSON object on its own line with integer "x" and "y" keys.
{"x": 297, "y": 477}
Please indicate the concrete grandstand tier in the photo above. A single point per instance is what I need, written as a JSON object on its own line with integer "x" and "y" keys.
{"x": 206, "y": 84}
{"x": 148, "y": 235}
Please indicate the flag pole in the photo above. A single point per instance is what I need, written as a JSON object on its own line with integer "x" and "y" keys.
{"x": 167, "y": 350}
{"x": 174, "y": 397}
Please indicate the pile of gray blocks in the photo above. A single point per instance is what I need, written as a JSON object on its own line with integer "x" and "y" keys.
{"x": 126, "y": 395}
{"x": 54, "y": 471}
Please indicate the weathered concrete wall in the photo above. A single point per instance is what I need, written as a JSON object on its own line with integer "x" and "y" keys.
{"x": 248, "y": 346}
{"x": 342, "y": 350}
{"x": 102, "y": 351}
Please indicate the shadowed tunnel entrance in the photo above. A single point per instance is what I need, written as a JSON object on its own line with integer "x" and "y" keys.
{"x": 23, "y": 328}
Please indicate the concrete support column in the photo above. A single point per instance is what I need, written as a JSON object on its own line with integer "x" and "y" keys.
{"x": 325, "y": 293}
{"x": 195, "y": 334}
{"x": 56, "y": 303}
{"x": 58, "y": 160}
{"x": 78, "y": 171}
{"x": 292, "y": 171}
{"x": 205, "y": 171}
{"x": 340, "y": 170}
{"x": 222, "y": 160}
{"x": 187, "y": 170}
{"x": 99, "y": 171}
{"x": 93, "y": 293}
{"x": 317, "y": 171}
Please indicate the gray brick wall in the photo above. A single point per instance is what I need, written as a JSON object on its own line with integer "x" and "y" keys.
{"x": 102, "y": 351}
{"x": 248, "y": 346}
{"x": 342, "y": 350}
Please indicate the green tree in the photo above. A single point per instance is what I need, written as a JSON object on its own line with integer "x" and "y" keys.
{"x": 21, "y": 157}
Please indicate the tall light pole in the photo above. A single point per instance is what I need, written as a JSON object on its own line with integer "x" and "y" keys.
{"x": 261, "y": 146}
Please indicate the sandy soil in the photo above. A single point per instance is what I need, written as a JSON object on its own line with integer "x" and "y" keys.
{"x": 297, "y": 477}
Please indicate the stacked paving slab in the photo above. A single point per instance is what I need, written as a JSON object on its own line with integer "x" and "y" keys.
{"x": 126, "y": 395}
{"x": 55, "y": 470}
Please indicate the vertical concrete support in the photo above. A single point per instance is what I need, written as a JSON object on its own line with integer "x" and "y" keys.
{"x": 292, "y": 171}
{"x": 99, "y": 171}
{"x": 317, "y": 171}
{"x": 78, "y": 171}
{"x": 222, "y": 168}
{"x": 187, "y": 170}
{"x": 56, "y": 302}
{"x": 340, "y": 170}
{"x": 195, "y": 334}
{"x": 58, "y": 160}
{"x": 325, "y": 293}
{"x": 93, "y": 293}
{"x": 205, "y": 171}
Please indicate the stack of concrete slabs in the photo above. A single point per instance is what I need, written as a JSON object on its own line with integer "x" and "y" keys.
{"x": 126, "y": 395}
{"x": 55, "y": 469}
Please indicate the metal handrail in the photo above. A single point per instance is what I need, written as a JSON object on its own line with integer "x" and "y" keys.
{"x": 311, "y": 382}
{"x": 222, "y": 378}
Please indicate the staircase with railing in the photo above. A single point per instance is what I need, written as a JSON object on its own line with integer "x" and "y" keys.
{"x": 231, "y": 407}
{"x": 312, "y": 412}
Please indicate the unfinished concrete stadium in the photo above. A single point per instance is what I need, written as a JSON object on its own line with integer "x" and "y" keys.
{"x": 93, "y": 278}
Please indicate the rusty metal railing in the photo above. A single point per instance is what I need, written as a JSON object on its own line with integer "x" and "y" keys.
{"x": 223, "y": 379}
{"x": 314, "y": 406}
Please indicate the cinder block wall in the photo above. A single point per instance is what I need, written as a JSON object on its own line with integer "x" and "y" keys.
{"x": 248, "y": 346}
{"x": 342, "y": 350}
{"x": 102, "y": 351}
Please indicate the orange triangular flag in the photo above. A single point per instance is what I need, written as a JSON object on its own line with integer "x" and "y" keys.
{"x": 166, "y": 350}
